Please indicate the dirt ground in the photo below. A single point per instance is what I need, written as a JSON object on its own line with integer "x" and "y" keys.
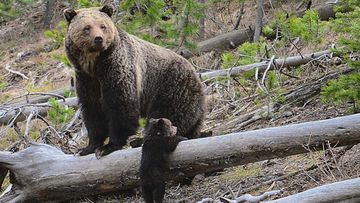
{"x": 24, "y": 48}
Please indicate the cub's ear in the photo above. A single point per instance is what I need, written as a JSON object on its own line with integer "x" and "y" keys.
{"x": 161, "y": 122}
{"x": 109, "y": 10}
{"x": 69, "y": 14}
{"x": 173, "y": 130}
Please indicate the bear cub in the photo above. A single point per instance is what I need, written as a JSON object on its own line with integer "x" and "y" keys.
{"x": 159, "y": 140}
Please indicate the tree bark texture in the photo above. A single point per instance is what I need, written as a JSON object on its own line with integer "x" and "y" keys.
{"x": 259, "y": 19}
{"x": 284, "y": 62}
{"x": 343, "y": 191}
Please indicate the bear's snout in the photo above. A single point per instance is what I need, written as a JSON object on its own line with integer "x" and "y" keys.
{"x": 98, "y": 40}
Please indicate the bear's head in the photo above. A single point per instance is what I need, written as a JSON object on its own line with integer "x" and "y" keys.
{"x": 160, "y": 127}
{"x": 91, "y": 29}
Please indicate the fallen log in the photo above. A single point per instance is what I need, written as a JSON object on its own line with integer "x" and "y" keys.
{"x": 38, "y": 97}
{"x": 282, "y": 62}
{"x": 19, "y": 113}
{"x": 343, "y": 191}
{"x": 229, "y": 40}
{"x": 43, "y": 173}
{"x": 234, "y": 38}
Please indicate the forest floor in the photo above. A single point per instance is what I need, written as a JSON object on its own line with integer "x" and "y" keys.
{"x": 24, "y": 48}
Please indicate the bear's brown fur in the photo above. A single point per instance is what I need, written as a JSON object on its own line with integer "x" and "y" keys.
{"x": 120, "y": 78}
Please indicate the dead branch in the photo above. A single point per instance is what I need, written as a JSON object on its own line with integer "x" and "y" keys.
{"x": 262, "y": 66}
{"x": 241, "y": 13}
{"x": 43, "y": 173}
{"x": 250, "y": 198}
{"x": 266, "y": 70}
{"x": 37, "y": 97}
{"x": 33, "y": 114}
{"x": 268, "y": 182}
{"x": 19, "y": 113}
{"x": 348, "y": 190}
{"x": 8, "y": 68}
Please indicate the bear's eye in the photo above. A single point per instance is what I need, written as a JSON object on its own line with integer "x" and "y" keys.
{"x": 103, "y": 27}
{"x": 87, "y": 29}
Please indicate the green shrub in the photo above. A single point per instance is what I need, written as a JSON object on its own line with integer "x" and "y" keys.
{"x": 228, "y": 60}
{"x": 59, "y": 114}
{"x": 58, "y": 34}
{"x": 148, "y": 21}
{"x": 245, "y": 54}
{"x": 87, "y": 3}
{"x": 346, "y": 88}
{"x": 343, "y": 90}
{"x": 63, "y": 59}
{"x": 8, "y": 12}
{"x": 309, "y": 28}
{"x": 2, "y": 85}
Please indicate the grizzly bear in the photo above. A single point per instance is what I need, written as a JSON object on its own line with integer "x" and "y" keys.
{"x": 120, "y": 78}
{"x": 159, "y": 140}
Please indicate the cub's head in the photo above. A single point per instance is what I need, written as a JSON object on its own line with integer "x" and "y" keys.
{"x": 160, "y": 127}
{"x": 91, "y": 29}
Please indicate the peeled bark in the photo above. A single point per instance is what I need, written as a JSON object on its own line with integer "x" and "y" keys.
{"x": 44, "y": 173}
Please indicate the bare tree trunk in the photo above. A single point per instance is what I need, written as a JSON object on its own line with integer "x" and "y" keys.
{"x": 259, "y": 18}
{"x": 282, "y": 62}
{"x": 202, "y": 22}
{"x": 240, "y": 16}
{"x": 49, "y": 13}
{"x": 43, "y": 173}
{"x": 343, "y": 191}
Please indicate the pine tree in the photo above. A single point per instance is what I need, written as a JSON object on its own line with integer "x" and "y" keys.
{"x": 347, "y": 88}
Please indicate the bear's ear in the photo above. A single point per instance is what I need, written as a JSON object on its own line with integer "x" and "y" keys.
{"x": 161, "y": 122}
{"x": 69, "y": 14}
{"x": 109, "y": 10}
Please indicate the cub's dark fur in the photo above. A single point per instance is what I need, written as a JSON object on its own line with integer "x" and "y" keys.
{"x": 159, "y": 141}
{"x": 120, "y": 78}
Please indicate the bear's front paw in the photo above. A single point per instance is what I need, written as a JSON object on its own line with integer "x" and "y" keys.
{"x": 105, "y": 150}
{"x": 87, "y": 150}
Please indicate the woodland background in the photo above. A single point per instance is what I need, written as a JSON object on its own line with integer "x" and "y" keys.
{"x": 263, "y": 63}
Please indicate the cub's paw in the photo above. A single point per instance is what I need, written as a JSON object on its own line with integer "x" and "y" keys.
{"x": 87, "y": 150}
{"x": 105, "y": 150}
{"x": 181, "y": 138}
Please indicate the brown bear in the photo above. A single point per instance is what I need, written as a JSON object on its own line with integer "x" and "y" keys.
{"x": 120, "y": 78}
{"x": 159, "y": 140}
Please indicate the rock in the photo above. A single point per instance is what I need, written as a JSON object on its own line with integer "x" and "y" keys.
{"x": 288, "y": 113}
{"x": 136, "y": 142}
{"x": 23, "y": 55}
{"x": 198, "y": 179}
{"x": 50, "y": 47}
